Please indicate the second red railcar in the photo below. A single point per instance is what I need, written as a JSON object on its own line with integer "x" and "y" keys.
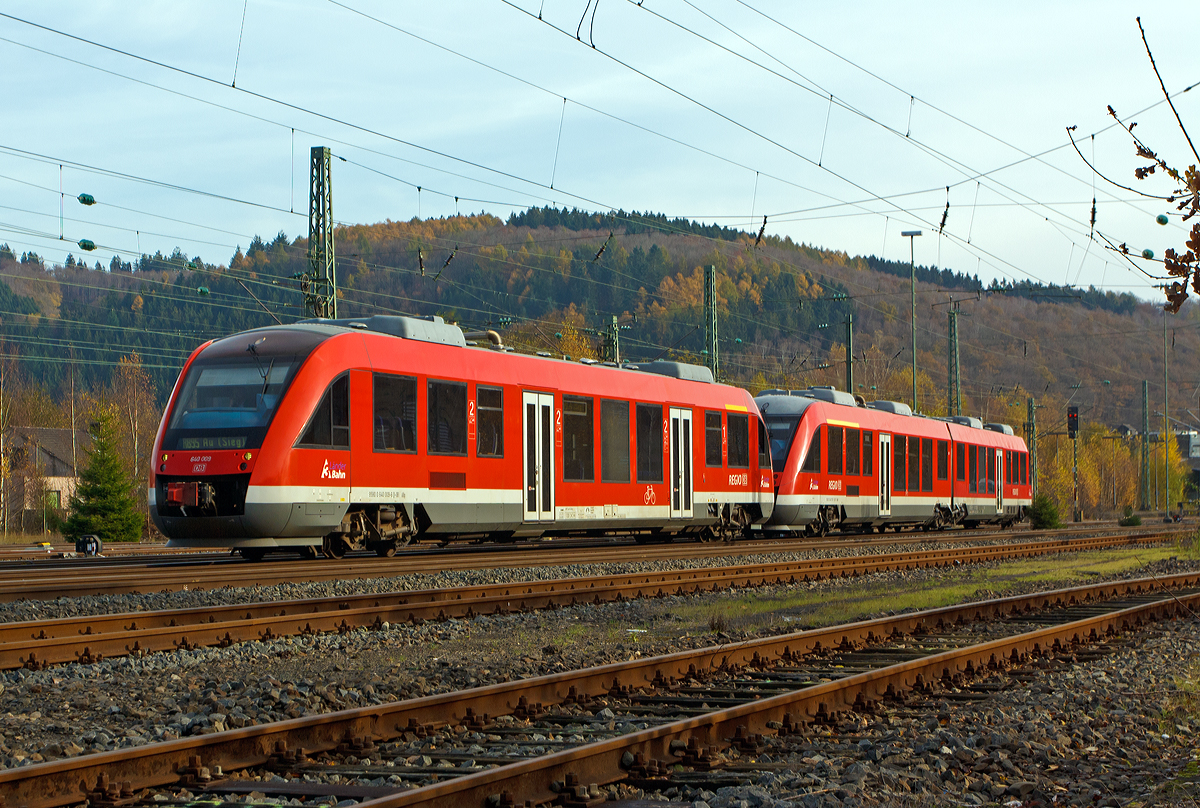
{"x": 839, "y": 463}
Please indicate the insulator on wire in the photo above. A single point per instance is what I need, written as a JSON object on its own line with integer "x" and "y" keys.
{"x": 603, "y": 247}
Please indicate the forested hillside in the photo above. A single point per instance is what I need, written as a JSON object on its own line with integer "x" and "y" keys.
{"x": 552, "y": 280}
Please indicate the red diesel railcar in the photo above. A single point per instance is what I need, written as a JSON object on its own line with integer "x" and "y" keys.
{"x": 377, "y": 431}
{"x": 839, "y": 463}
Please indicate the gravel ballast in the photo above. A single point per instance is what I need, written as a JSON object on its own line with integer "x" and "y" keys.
{"x": 78, "y": 709}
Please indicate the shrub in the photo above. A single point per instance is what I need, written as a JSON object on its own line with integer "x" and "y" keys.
{"x": 1043, "y": 514}
{"x": 1129, "y": 520}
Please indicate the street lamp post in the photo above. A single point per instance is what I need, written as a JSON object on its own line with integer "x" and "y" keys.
{"x": 912, "y": 271}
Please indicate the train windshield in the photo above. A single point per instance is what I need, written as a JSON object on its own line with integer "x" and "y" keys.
{"x": 782, "y": 430}
{"x": 231, "y": 395}
{"x": 231, "y": 392}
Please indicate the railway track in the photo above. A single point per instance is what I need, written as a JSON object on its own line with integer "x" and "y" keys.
{"x": 572, "y": 737}
{"x": 48, "y": 578}
{"x": 38, "y": 644}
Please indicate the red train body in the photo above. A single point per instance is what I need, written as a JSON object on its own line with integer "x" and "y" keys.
{"x": 838, "y": 464}
{"x": 373, "y": 432}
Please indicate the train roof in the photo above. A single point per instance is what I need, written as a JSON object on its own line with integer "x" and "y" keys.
{"x": 435, "y": 330}
{"x": 881, "y": 414}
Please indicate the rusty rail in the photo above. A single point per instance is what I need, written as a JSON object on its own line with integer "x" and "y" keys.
{"x": 52, "y": 579}
{"x": 68, "y": 781}
{"x": 36, "y": 644}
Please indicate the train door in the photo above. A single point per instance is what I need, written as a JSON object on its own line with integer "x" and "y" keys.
{"x": 885, "y": 474}
{"x": 999, "y": 481}
{"x": 681, "y": 463}
{"x": 538, "y": 421}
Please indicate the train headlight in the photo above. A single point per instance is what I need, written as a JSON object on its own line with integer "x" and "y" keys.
{"x": 248, "y": 455}
{"x": 164, "y": 457}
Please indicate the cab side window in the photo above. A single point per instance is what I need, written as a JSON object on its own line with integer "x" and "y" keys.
{"x": 812, "y": 460}
{"x": 330, "y": 424}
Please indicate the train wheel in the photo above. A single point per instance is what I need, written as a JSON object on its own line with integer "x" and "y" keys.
{"x": 335, "y": 547}
{"x": 385, "y": 550}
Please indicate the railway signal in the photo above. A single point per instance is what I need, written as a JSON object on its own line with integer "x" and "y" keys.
{"x": 1072, "y": 422}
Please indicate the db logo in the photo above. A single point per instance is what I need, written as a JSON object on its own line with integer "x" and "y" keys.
{"x": 334, "y": 471}
{"x": 198, "y": 468}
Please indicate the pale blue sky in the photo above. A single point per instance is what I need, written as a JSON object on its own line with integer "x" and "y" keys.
{"x": 1015, "y": 74}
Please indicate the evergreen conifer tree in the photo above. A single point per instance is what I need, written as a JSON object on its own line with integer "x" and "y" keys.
{"x": 103, "y": 502}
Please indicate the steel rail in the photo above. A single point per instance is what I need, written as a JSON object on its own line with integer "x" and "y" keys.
{"x": 693, "y": 741}
{"x": 68, "y": 781}
{"x": 39, "y": 643}
{"x": 166, "y": 575}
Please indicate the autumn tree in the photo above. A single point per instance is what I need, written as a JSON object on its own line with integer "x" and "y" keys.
{"x": 1183, "y": 192}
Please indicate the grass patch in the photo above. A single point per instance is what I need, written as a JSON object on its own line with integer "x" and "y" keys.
{"x": 1188, "y": 545}
{"x": 29, "y": 539}
{"x": 818, "y": 608}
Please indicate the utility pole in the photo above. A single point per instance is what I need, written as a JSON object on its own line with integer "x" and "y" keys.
{"x": 319, "y": 284}
{"x": 710, "y": 320}
{"x": 1145, "y": 445}
{"x": 912, "y": 270}
{"x": 850, "y": 353}
{"x": 612, "y": 342}
{"x": 953, "y": 383}
{"x": 1031, "y": 438}
{"x": 1073, "y": 434}
{"x": 1166, "y": 424}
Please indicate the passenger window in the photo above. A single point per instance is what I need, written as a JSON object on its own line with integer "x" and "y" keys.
{"x": 649, "y": 443}
{"x": 447, "y": 418}
{"x": 853, "y": 447}
{"x": 812, "y": 460}
{"x": 926, "y": 464}
{"x": 960, "y": 462}
{"x": 395, "y": 413}
{"x": 991, "y": 470}
{"x": 614, "y": 441}
{"x": 330, "y": 424}
{"x": 1024, "y": 468}
{"x": 712, "y": 438}
{"x": 899, "y": 453}
{"x": 972, "y": 470}
{"x": 868, "y": 455}
{"x": 739, "y": 440}
{"x": 833, "y": 458}
{"x": 914, "y": 464}
{"x": 764, "y": 452}
{"x": 943, "y": 460}
{"x": 578, "y": 437}
{"x": 489, "y": 415}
